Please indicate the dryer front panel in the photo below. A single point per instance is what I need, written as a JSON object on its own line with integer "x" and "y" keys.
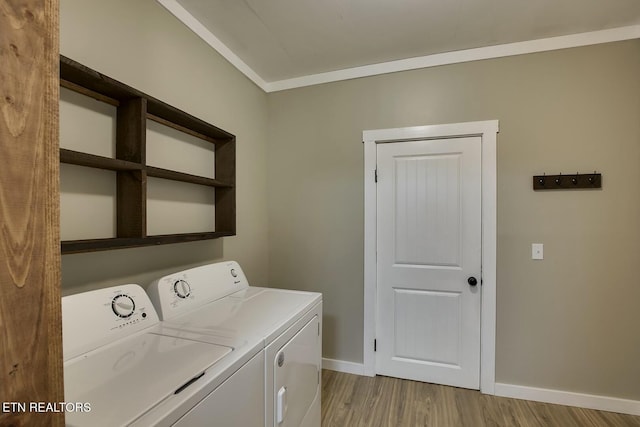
{"x": 296, "y": 368}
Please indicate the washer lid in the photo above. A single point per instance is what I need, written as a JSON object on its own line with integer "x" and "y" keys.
{"x": 123, "y": 381}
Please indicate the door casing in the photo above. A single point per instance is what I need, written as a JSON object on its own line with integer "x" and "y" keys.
{"x": 487, "y": 131}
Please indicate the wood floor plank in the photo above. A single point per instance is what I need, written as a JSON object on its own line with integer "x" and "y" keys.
{"x": 357, "y": 401}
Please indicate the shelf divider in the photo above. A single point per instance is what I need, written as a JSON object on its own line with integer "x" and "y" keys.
{"x": 94, "y": 245}
{"x": 91, "y": 160}
{"x": 185, "y": 177}
{"x": 225, "y": 198}
{"x": 131, "y": 135}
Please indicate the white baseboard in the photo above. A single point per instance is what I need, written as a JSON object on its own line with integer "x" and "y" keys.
{"x": 343, "y": 366}
{"x": 590, "y": 401}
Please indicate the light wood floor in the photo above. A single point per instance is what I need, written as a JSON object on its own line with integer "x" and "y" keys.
{"x": 353, "y": 400}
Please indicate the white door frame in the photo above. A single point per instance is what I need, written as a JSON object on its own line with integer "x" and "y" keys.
{"x": 487, "y": 131}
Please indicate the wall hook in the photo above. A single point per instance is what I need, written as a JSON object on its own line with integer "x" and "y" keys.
{"x": 568, "y": 182}
{"x": 541, "y": 179}
{"x": 558, "y": 179}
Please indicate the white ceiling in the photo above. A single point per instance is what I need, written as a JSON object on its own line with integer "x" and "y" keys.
{"x": 285, "y": 39}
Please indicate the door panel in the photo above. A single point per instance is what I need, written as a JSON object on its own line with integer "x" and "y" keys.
{"x": 429, "y": 243}
{"x": 427, "y": 187}
{"x": 435, "y": 342}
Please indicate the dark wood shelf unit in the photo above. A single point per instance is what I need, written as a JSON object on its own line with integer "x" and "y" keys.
{"x": 134, "y": 108}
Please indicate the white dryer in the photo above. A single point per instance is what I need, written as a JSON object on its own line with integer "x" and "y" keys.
{"x": 124, "y": 371}
{"x": 216, "y": 300}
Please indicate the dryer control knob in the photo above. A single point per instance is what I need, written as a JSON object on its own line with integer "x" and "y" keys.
{"x": 280, "y": 360}
{"x": 234, "y": 273}
{"x": 123, "y": 305}
{"x": 182, "y": 288}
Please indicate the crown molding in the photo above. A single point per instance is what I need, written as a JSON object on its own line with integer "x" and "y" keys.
{"x": 435, "y": 60}
{"x": 207, "y": 36}
{"x": 456, "y": 57}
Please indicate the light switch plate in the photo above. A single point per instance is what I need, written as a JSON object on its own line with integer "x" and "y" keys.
{"x": 537, "y": 251}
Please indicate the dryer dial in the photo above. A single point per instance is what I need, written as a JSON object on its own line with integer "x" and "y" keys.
{"x": 123, "y": 306}
{"x": 182, "y": 288}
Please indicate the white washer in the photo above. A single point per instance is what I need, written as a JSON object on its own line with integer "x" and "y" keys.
{"x": 119, "y": 363}
{"x": 216, "y": 300}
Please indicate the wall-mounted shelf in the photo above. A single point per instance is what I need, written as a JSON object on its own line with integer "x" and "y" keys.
{"x": 134, "y": 108}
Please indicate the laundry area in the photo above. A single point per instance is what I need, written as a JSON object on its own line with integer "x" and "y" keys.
{"x": 202, "y": 343}
{"x": 305, "y": 214}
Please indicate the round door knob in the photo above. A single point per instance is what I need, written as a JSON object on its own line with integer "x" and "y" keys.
{"x": 472, "y": 281}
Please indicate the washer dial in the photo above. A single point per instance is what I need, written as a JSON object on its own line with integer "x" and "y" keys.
{"x": 123, "y": 305}
{"x": 182, "y": 288}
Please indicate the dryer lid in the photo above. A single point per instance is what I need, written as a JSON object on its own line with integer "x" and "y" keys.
{"x": 262, "y": 313}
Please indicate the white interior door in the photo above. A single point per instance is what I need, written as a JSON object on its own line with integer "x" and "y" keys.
{"x": 428, "y": 250}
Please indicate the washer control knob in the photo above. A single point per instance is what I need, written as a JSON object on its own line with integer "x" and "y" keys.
{"x": 280, "y": 359}
{"x": 234, "y": 273}
{"x": 123, "y": 305}
{"x": 182, "y": 288}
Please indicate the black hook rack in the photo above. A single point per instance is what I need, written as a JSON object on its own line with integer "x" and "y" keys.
{"x": 567, "y": 182}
